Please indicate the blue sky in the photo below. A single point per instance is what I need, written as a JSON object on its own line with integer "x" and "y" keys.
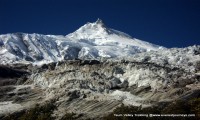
{"x": 170, "y": 23}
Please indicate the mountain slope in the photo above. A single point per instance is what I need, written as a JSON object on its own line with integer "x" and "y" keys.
{"x": 109, "y": 42}
{"x": 91, "y": 41}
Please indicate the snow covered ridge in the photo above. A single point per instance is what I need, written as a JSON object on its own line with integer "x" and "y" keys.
{"x": 186, "y": 58}
{"x": 91, "y": 41}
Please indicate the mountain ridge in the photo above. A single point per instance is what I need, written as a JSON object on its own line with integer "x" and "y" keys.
{"x": 91, "y": 41}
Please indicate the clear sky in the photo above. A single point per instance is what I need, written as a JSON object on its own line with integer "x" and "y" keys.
{"x": 170, "y": 23}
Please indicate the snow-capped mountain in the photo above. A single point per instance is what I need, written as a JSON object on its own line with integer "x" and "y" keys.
{"x": 91, "y": 41}
{"x": 134, "y": 73}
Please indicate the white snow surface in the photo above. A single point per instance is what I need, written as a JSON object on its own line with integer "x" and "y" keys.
{"x": 91, "y": 41}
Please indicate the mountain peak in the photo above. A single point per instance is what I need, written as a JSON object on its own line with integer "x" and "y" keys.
{"x": 94, "y": 30}
{"x": 99, "y": 21}
{"x": 91, "y": 29}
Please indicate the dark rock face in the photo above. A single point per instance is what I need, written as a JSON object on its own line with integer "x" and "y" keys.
{"x": 89, "y": 62}
{"x": 6, "y": 72}
{"x": 10, "y": 76}
{"x": 118, "y": 70}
